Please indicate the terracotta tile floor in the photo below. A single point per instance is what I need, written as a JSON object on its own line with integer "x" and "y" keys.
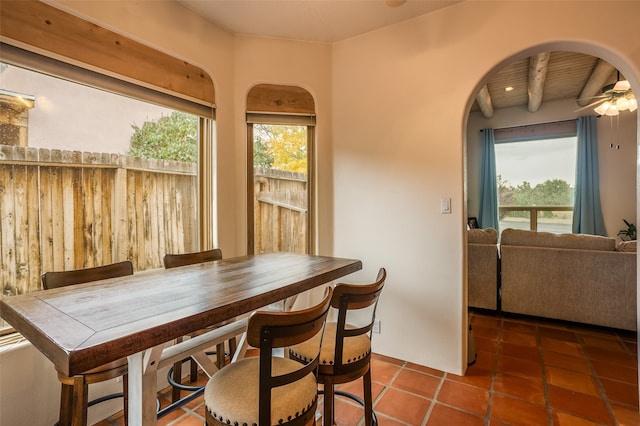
{"x": 528, "y": 372}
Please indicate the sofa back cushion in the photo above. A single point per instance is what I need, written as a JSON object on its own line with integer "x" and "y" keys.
{"x": 482, "y": 236}
{"x": 519, "y": 237}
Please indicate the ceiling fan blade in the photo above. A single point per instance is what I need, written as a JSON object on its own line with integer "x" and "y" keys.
{"x": 591, "y": 105}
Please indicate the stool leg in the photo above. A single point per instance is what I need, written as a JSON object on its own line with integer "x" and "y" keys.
{"x": 220, "y": 354}
{"x": 80, "y": 401}
{"x": 328, "y": 404}
{"x": 66, "y": 405}
{"x": 233, "y": 345}
{"x": 177, "y": 377}
{"x": 193, "y": 373}
{"x": 368, "y": 400}
{"x": 125, "y": 398}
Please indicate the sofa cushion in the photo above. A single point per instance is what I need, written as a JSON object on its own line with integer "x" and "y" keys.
{"x": 519, "y": 237}
{"x": 482, "y": 236}
{"x": 627, "y": 246}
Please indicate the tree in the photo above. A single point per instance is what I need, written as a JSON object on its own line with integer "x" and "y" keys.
{"x": 173, "y": 137}
{"x": 552, "y": 192}
{"x": 262, "y": 157}
{"x": 280, "y": 147}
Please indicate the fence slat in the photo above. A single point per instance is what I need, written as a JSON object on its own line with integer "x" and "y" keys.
{"x": 7, "y": 226}
{"x": 33, "y": 231}
{"x": 280, "y": 211}
{"x": 21, "y": 224}
{"x": 66, "y": 210}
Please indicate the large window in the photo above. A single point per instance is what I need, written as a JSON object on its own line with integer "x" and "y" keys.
{"x": 536, "y": 182}
{"x": 90, "y": 177}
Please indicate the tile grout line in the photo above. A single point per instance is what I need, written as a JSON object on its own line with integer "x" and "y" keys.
{"x": 596, "y": 377}
{"x": 434, "y": 399}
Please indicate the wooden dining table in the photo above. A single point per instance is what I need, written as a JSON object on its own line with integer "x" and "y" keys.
{"x": 85, "y": 326}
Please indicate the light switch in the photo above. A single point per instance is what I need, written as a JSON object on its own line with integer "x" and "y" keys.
{"x": 445, "y": 205}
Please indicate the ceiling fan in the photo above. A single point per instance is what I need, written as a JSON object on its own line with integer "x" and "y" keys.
{"x": 615, "y": 97}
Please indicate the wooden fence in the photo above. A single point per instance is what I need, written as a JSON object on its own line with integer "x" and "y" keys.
{"x": 280, "y": 211}
{"x": 64, "y": 210}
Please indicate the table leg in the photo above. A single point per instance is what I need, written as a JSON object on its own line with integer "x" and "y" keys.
{"x": 143, "y": 367}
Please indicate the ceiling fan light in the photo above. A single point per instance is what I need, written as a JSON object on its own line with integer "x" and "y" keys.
{"x": 622, "y": 103}
{"x": 612, "y": 111}
{"x": 622, "y": 86}
{"x": 633, "y": 104}
{"x": 602, "y": 108}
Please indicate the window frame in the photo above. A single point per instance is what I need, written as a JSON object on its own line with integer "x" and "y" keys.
{"x": 287, "y": 120}
{"x": 206, "y": 191}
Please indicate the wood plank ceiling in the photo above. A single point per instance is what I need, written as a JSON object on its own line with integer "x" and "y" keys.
{"x": 546, "y": 77}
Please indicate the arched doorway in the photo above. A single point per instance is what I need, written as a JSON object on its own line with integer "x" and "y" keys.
{"x": 611, "y": 146}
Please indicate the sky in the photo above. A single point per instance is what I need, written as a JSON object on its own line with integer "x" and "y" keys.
{"x": 537, "y": 161}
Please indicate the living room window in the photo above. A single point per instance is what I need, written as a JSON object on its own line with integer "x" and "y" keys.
{"x": 536, "y": 180}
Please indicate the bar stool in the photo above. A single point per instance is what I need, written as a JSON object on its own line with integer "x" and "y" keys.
{"x": 345, "y": 355}
{"x": 74, "y": 396}
{"x": 270, "y": 390}
{"x": 171, "y": 260}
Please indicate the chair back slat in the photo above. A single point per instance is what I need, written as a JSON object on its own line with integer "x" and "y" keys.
{"x": 55, "y": 279}
{"x": 267, "y": 330}
{"x": 175, "y": 260}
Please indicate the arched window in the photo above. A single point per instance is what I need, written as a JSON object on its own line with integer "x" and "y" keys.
{"x": 280, "y": 146}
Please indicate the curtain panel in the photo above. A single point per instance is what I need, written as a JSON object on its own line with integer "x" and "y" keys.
{"x": 587, "y": 210}
{"x": 488, "y": 214}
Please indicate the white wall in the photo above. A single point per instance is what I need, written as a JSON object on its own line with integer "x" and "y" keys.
{"x": 401, "y": 96}
{"x": 617, "y": 166}
{"x": 31, "y": 390}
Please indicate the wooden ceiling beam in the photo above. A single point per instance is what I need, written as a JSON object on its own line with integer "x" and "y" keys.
{"x": 484, "y": 102}
{"x": 596, "y": 81}
{"x": 538, "y": 66}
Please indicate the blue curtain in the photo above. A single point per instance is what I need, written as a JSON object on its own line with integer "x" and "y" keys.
{"x": 587, "y": 211}
{"x": 488, "y": 215}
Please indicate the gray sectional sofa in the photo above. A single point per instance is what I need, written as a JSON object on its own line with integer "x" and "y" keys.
{"x": 484, "y": 268}
{"x": 580, "y": 278}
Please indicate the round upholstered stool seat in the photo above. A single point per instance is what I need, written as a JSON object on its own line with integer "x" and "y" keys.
{"x": 355, "y": 348}
{"x": 231, "y": 395}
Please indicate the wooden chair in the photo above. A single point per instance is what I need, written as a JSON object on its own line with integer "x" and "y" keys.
{"x": 270, "y": 390}
{"x": 183, "y": 259}
{"x": 74, "y": 396}
{"x": 346, "y": 349}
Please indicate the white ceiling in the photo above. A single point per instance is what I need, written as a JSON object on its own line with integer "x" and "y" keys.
{"x": 309, "y": 20}
{"x": 335, "y": 20}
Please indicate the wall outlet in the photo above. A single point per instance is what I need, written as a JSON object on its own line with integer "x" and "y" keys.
{"x": 376, "y": 326}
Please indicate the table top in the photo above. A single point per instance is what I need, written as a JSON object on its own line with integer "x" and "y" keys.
{"x": 85, "y": 326}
